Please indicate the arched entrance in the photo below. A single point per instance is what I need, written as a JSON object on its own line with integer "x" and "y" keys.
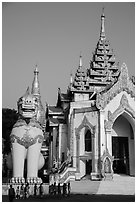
{"x": 123, "y": 145}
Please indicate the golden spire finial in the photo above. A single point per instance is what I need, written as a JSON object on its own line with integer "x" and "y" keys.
{"x": 102, "y": 32}
{"x": 71, "y": 78}
{"x": 80, "y": 59}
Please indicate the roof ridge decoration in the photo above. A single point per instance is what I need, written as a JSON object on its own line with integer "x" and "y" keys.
{"x": 123, "y": 84}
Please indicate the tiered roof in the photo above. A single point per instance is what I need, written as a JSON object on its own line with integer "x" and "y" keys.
{"x": 80, "y": 82}
{"x": 103, "y": 68}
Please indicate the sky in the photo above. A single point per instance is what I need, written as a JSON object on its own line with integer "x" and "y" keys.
{"x": 52, "y": 35}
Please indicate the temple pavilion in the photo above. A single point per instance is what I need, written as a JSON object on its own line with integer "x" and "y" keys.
{"x": 91, "y": 128}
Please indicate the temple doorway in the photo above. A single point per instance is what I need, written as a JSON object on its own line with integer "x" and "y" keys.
{"x": 123, "y": 145}
{"x": 88, "y": 167}
{"x": 120, "y": 151}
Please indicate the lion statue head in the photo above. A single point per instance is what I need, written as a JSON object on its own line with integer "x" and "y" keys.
{"x": 27, "y": 105}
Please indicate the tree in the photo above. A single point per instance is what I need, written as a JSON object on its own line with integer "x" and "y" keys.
{"x": 9, "y": 118}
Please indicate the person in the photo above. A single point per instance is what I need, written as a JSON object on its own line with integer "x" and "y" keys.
{"x": 59, "y": 189}
{"x": 35, "y": 189}
{"x": 27, "y": 190}
{"x": 11, "y": 193}
{"x": 54, "y": 188}
{"x": 22, "y": 191}
{"x": 49, "y": 189}
{"x": 69, "y": 188}
{"x": 64, "y": 189}
{"x": 41, "y": 189}
{"x": 17, "y": 193}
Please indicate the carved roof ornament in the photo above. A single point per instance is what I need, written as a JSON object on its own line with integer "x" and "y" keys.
{"x": 85, "y": 123}
{"x": 102, "y": 31}
{"x": 124, "y": 106}
{"x": 123, "y": 84}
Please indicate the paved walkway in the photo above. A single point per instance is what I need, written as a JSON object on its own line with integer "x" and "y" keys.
{"x": 120, "y": 185}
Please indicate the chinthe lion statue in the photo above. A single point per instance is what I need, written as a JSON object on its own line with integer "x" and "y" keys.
{"x": 26, "y": 140}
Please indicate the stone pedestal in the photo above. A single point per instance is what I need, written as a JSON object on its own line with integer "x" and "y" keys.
{"x": 107, "y": 165}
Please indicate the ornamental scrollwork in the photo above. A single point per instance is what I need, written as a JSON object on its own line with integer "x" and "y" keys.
{"x": 124, "y": 106}
{"x": 123, "y": 84}
{"x": 85, "y": 123}
{"x": 26, "y": 141}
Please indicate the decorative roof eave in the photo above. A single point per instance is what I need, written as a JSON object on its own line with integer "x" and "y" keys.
{"x": 123, "y": 84}
{"x": 55, "y": 110}
{"x": 81, "y": 90}
{"x": 56, "y": 121}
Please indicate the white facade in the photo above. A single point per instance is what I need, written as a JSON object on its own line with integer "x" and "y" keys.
{"x": 108, "y": 117}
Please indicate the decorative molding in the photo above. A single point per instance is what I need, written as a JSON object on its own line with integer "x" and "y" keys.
{"x": 123, "y": 84}
{"x": 124, "y": 106}
{"x": 25, "y": 140}
{"x": 85, "y": 123}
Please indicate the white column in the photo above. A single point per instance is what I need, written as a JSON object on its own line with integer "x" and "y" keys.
{"x": 102, "y": 132}
{"x": 60, "y": 134}
{"x": 109, "y": 141}
{"x": 54, "y": 142}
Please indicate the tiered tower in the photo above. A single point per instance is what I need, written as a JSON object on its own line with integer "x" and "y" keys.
{"x": 80, "y": 82}
{"x": 103, "y": 68}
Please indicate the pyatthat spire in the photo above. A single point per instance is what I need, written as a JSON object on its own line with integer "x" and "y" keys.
{"x": 102, "y": 31}
{"x": 35, "y": 84}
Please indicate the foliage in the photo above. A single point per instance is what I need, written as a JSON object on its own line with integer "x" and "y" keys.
{"x": 9, "y": 118}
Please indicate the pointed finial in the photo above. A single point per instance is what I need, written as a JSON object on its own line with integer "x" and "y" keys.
{"x": 36, "y": 69}
{"x": 103, "y": 11}
{"x": 80, "y": 60}
{"x": 59, "y": 91}
{"x": 71, "y": 78}
{"x": 102, "y": 32}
